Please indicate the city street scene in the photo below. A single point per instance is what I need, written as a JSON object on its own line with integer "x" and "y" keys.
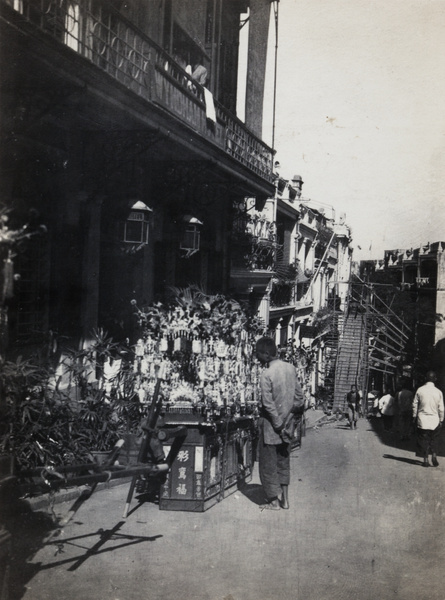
{"x": 222, "y": 300}
{"x": 365, "y": 521}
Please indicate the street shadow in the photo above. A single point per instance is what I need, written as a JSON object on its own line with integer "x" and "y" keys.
{"x": 105, "y": 536}
{"x": 28, "y": 531}
{"x": 409, "y": 461}
{"x": 253, "y": 492}
{"x": 392, "y": 438}
{"x": 151, "y": 497}
{"x": 31, "y": 530}
{"x": 147, "y": 491}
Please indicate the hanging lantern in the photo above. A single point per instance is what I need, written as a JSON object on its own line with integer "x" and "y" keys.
{"x": 136, "y": 227}
{"x": 190, "y": 239}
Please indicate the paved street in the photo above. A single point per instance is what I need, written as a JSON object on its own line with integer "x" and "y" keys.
{"x": 366, "y": 522}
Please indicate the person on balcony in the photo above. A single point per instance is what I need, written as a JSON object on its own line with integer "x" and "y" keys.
{"x": 180, "y": 60}
{"x": 281, "y": 397}
{"x": 200, "y": 74}
{"x": 428, "y": 415}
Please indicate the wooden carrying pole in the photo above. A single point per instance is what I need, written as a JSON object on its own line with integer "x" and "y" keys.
{"x": 87, "y": 493}
{"x": 78, "y": 475}
{"x": 148, "y": 428}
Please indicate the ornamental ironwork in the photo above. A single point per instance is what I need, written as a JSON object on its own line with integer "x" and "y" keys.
{"x": 101, "y": 35}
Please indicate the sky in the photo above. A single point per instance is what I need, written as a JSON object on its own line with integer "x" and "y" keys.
{"x": 360, "y": 114}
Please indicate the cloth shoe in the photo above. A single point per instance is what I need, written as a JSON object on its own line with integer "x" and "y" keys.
{"x": 271, "y": 505}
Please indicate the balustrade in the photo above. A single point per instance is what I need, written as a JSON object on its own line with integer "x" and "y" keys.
{"x": 254, "y": 254}
{"x": 99, "y": 33}
{"x": 282, "y": 294}
{"x": 254, "y": 244}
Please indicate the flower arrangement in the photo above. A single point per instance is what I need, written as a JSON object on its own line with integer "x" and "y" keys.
{"x": 202, "y": 316}
{"x": 207, "y": 342}
{"x": 184, "y": 393}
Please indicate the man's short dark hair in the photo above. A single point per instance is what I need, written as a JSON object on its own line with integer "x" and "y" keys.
{"x": 266, "y": 344}
{"x": 431, "y": 376}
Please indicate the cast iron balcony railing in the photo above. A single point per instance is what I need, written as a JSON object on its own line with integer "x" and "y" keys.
{"x": 99, "y": 33}
{"x": 254, "y": 254}
{"x": 254, "y": 244}
{"x": 288, "y": 294}
{"x": 282, "y": 294}
{"x": 289, "y": 285}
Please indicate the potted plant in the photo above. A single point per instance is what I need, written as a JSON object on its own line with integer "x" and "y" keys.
{"x": 36, "y": 418}
{"x": 108, "y": 407}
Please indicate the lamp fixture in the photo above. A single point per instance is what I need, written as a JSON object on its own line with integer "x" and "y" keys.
{"x": 190, "y": 240}
{"x": 136, "y": 226}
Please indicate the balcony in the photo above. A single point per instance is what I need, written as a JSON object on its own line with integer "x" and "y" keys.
{"x": 254, "y": 251}
{"x": 282, "y": 294}
{"x": 253, "y": 262}
{"x": 104, "y": 38}
{"x": 289, "y": 287}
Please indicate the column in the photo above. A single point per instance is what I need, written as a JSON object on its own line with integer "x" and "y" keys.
{"x": 439, "y": 333}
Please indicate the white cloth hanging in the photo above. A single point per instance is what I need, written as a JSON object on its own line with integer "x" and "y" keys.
{"x": 210, "y": 105}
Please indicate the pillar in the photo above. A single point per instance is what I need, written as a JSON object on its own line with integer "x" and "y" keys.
{"x": 439, "y": 333}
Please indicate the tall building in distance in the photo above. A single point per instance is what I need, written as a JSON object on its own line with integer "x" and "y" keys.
{"x": 417, "y": 277}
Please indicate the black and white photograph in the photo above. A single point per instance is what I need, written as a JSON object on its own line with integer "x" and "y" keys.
{"x": 222, "y": 299}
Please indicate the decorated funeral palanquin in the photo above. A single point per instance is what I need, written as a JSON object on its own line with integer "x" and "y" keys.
{"x": 215, "y": 458}
{"x": 205, "y": 346}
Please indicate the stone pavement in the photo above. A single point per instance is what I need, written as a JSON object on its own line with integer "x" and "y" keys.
{"x": 314, "y": 418}
{"x": 366, "y": 522}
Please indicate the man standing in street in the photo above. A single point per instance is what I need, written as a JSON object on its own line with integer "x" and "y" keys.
{"x": 353, "y": 401}
{"x": 428, "y": 414}
{"x": 404, "y": 406}
{"x": 386, "y": 407}
{"x": 281, "y": 395}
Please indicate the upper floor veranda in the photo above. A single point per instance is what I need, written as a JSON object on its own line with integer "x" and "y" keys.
{"x": 94, "y": 43}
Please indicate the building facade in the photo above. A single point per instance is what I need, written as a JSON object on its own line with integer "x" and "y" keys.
{"x": 293, "y": 262}
{"x": 417, "y": 277}
{"x": 120, "y": 137}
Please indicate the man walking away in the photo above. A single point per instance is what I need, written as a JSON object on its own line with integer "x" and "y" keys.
{"x": 281, "y": 395}
{"x": 353, "y": 401}
{"x": 428, "y": 414}
{"x": 404, "y": 407}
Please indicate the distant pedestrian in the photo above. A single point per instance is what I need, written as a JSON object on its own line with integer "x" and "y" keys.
{"x": 386, "y": 407}
{"x": 373, "y": 403}
{"x": 428, "y": 414}
{"x": 281, "y": 395}
{"x": 404, "y": 408}
{"x": 361, "y": 411}
{"x": 353, "y": 402}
